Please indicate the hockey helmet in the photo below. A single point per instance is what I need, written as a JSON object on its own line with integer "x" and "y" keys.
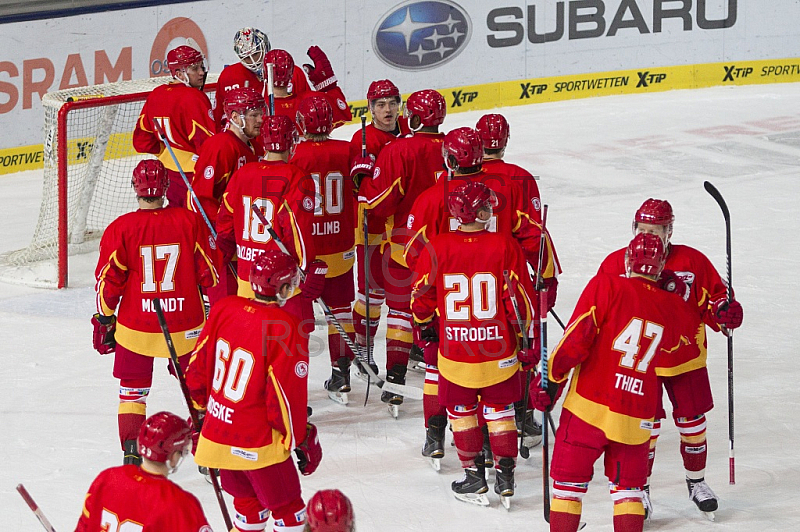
{"x": 150, "y": 179}
{"x": 278, "y": 133}
{"x": 463, "y": 147}
{"x": 428, "y": 105}
{"x": 315, "y": 115}
{"x": 330, "y": 511}
{"x": 383, "y": 88}
{"x": 494, "y": 131}
{"x": 655, "y": 212}
{"x": 468, "y": 198}
{"x": 161, "y": 435}
{"x": 241, "y": 100}
{"x": 271, "y": 270}
{"x": 251, "y": 45}
{"x": 645, "y": 255}
{"x": 183, "y": 57}
{"x": 282, "y": 66}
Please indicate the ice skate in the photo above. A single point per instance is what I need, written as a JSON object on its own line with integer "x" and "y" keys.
{"x": 361, "y": 373}
{"x": 434, "y": 441}
{"x": 416, "y": 360}
{"x": 504, "y": 481}
{"x": 339, "y": 383}
{"x": 531, "y": 430}
{"x": 473, "y": 487}
{"x": 702, "y": 495}
{"x": 648, "y": 506}
{"x": 396, "y": 375}
{"x": 131, "y": 453}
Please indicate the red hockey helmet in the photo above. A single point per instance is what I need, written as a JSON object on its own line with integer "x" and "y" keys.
{"x": 241, "y": 100}
{"x": 271, "y": 270}
{"x": 494, "y": 131}
{"x": 163, "y": 434}
{"x": 183, "y": 57}
{"x": 282, "y": 66}
{"x": 314, "y": 115}
{"x": 251, "y": 45}
{"x": 645, "y": 255}
{"x": 382, "y": 88}
{"x": 150, "y": 179}
{"x": 468, "y": 198}
{"x": 330, "y": 511}
{"x": 464, "y": 145}
{"x": 655, "y": 212}
{"x": 428, "y": 105}
{"x": 278, "y": 133}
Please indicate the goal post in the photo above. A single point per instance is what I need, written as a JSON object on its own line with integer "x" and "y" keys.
{"x": 88, "y": 162}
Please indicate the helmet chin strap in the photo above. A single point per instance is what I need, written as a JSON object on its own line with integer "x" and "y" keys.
{"x": 185, "y": 79}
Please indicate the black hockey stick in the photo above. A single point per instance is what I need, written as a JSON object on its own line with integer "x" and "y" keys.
{"x": 558, "y": 320}
{"x": 368, "y": 344}
{"x": 412, "y": 392}
{"x": 547, "y": 418}
{"x": 173, "y": 355}
{"x": 711, "y": 189}
{"x": 35, "y": 508}
{"x": 524, "y": 452}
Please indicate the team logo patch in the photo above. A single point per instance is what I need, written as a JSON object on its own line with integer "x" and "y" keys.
{"x": 377, "y": 172}
{"x": 420, "y": 35}
{"x": 646, "y": 425}
{"x": 507, "y": 363}
{"x": 212, "y": 243}
{"x": 308, "y": 204}
{"x": 301, "y": 369}
{"x": 342, "y": 104}
{"x": 211, "y": 114}
{"x": 537, "y": 204}
{"x": 410, "y": 221}
{"x": 189, "y": 335}
{"x": 242, "y": 453}
{"x": 208, "y": 173}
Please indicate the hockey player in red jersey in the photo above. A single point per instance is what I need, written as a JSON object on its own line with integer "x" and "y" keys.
{"x": 156, "y": 251}
{"x": 384, "y": 102}
{"x": 689, "y": 392}
{"x": 142, "y": 498}
{"x": 286, "y": 101}
{"x": 462, "y": 281}
{"x": 249, "y": 372}
{"x": 495, "y": 132}
{"x": 623, "y": 332}
{"x": 184, "y": 112}
{"x": 326, "y": 165}
{"x": 404, "y": 169}
{"x": 330, "y": 511}
{"x": 250, "y": 45}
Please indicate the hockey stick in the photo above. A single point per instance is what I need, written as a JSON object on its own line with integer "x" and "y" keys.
{"x": 711, "y": 189}
{"x": 411, "y": 392}
{"x": 364, "y": 358}
{"x": 271, "y": 88}
{"x": 543, "y": 369}
{"x": 558, "y": 320}
{"x": 173, "y": 355}
{"x": 35, "y": 508}
{"x": 523, "y": 451}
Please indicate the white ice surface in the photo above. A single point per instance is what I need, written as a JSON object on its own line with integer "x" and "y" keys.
{"x": 598, "y": 160}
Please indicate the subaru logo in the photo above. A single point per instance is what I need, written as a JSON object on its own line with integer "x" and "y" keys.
{"x": 421, "y": 35}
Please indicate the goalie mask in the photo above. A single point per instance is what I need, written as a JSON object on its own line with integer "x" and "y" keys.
{"x": 271, "y": 271}
{"x": 161, "y": 435}
{"x": 655, "y": 212}
{"x": 282, "y": 67}
{"x": 494, "y": 131}
{"x": 150, "y": 179}
{"x": 428, "y": 105}
{"x": 251, "y": 45}
{"x": 330, "y": 511}
{"x": 314, "y": 115}
{"x": 462, "y": 148}
{"x": 468, "y": 198}
{"x": 645, "y": 255}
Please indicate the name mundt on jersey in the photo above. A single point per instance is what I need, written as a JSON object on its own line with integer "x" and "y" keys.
{"x": 418, "y": 35}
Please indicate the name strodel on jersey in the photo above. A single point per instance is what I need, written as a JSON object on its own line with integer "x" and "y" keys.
{"x": 420, "y": 35}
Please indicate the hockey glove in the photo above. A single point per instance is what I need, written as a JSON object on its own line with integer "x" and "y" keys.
{"x": 362, "y": 167}
{"x": 314, "y": 284}
{"x": 551, "y": 285}
{"x": 669, "y": 281}
{"x": 321, "y": 73}
{"x": 529, "y": 357}
{"x": 309, "y": 453}
{"x": 544, "y": 400}
{"x": 103, "y": 335}
{"x": 728, "y": 315}
{"x": 425, "y": 333}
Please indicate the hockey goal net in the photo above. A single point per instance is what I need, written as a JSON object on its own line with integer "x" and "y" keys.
{"x": 88, "y": 162}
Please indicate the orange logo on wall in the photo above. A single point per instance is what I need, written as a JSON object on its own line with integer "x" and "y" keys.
{"x": 177, "y": 28}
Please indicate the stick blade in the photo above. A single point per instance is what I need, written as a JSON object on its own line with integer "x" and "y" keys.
{"x": 711, "y": 189}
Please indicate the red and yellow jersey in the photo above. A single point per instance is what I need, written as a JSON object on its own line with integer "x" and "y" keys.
{"x": 165, "y": 253}
{"x": 513, "y": 216}
{"x": 376, "y": 140}
{"x": 460, "y": 278}
{"x": 517, "y": 174}
{"x": 621, "y": 332}
{"x": 326, "y": 166}
{"x": 222, "y": 155}
{"x": 274, "y": 186}
{"x": 187, "y": 119}
{"x": 249, "y": 371}
{"x": 129, "y": 498}
{"x": 404, "y": 170}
